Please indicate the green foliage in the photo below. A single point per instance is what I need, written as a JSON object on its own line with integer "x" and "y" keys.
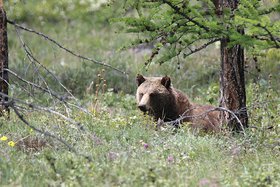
{"x": 182, "y": 25}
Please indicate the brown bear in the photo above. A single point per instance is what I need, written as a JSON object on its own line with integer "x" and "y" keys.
{"x": 157, "y": 97}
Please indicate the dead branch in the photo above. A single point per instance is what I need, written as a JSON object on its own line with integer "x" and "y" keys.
{"x": 57, "y": 96}
{"x": 40, "y": 108}
{"x": 64, "y": 48}
{"x": 33, "y": 59}
{"x": 11, "y": 104}
{"x": 183, "y": 116}
{"x": 36, "y": 86}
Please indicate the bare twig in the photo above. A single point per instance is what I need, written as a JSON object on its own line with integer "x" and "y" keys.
{"x": 35, "y": 85}
{"x": 47, "y": 89}
{"x": 12, "y": 104}
{"x": 40, "y": 108}
{"x": 60, "y": 98}
{"x": 184, "y": 116}
{"x": 46, "y": 133}
{"x": 64, "y": 48}
{"x": 33, "y": 59}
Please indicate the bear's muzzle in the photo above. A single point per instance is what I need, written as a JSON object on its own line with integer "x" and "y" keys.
{"x": 143, "y": 108}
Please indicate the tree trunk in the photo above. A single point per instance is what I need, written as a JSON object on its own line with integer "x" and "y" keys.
{"x": 232, "y": 85}
{"x": 3, "y": 59}
{"x": 232, "y": 80}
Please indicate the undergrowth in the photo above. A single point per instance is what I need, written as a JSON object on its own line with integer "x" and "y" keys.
{"x": 124, "y": 147}
{"x": 127, "y": 150}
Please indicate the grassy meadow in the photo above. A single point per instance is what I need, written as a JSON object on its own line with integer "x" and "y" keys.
{"x": 112, "y": 143}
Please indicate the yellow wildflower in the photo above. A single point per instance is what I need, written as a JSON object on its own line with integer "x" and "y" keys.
{"x": 3, "y": 138}
{"x": 11, "y": 143}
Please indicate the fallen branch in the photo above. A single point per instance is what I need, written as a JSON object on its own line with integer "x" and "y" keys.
{"x": 70, "y": 148}
{"x": 40, "y": 108}
{"x": 11, "y": 104}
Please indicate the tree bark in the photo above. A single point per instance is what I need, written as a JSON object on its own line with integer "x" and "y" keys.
{"x": 232, "y": 79}
{"x": 232, "y": 85}
{"x": 3, "y": 59}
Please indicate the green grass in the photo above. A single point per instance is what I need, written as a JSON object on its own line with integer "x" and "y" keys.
{"x": 127, "y": 150}
{"x": 125, "y": 147}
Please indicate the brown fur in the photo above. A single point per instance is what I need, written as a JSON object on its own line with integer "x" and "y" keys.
{"x": 157, "y": 97}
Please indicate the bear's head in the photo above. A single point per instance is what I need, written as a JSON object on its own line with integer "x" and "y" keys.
{"x": 154, "y": 96}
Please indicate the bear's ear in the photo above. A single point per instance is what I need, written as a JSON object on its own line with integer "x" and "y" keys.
{"x": 140, "y": 79}
{"x": 166, "y": 81}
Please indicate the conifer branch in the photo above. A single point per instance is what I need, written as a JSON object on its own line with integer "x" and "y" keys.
{"x": 178, "y": 11}
{"x": 192, "y": 51}
{"x": 270, "y": 10}
{"x": 272, "y": 38}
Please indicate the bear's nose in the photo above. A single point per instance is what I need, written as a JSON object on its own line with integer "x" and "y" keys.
{"x": 142, "y": 108}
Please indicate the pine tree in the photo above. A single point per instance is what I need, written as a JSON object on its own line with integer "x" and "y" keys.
{"x": 185, "y": 27}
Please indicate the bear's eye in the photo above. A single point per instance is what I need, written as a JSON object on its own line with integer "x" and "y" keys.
{"x": 141, "y": 95}
{"x": 153, "y": 94}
